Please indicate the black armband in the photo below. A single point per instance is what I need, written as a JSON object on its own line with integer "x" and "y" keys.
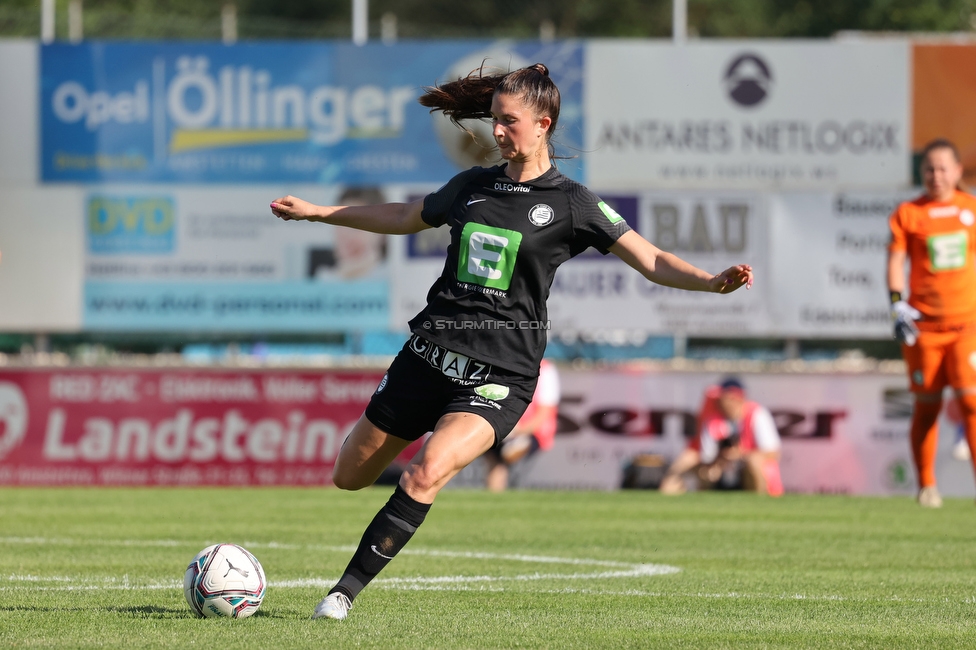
{"x": 895, "y": 296}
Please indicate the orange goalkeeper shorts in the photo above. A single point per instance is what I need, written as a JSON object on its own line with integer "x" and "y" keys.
{"x": 942, "y": 358}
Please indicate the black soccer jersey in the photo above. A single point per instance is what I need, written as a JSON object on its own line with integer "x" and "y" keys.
{"x": 507, "y": 240}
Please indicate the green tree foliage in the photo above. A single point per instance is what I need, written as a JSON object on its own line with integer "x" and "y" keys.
{"x": 823, "y": 18}
{"x": 268, "y": 19}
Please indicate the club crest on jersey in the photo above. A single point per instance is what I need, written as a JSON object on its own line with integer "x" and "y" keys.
{"x": 967, "y": 218}
{"x": 541, "y": 215}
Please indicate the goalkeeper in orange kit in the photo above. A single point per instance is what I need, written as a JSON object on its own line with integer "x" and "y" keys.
{"x": 936, "y": 324}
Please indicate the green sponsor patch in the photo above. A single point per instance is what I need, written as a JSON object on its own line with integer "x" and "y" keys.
{"x": 487, "y": 255}
{"x": 492, "y": 391}
{"x": 947, "y": 252}
{"x": 610, "y": 212}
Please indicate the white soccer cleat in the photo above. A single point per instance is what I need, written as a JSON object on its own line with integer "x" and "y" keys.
{"x": 929, "y": 497}
{"x": 335, "y": 605}
{"x": 960, "y": 450}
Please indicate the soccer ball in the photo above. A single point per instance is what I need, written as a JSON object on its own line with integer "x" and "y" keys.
{"x": 224, "y": 580}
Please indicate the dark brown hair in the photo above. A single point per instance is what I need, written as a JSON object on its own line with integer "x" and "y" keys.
{"x": 940, "y": 143}
{"x": 470, "y": 97}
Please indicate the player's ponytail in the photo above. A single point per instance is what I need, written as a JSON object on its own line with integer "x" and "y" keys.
{"x": 470, "y": 97}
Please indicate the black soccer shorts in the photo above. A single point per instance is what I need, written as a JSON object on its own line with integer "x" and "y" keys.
{"x": 426, "y": 381}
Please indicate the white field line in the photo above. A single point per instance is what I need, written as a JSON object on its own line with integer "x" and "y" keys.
{"x": 619, "y": 569}
{"x": 535, "y": 559}
{"x": 420, "y": 583}
{"x": 462, "y": 583}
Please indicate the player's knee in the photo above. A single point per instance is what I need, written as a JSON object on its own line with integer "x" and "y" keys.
{"x": 422, "y": 477}
{"x": 346, "y": 479}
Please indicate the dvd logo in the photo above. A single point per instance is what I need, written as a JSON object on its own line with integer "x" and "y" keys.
{"x": 13, "y": 417}
{"x": 131, "y": 224}
{"x": 748, "y": 80}
{"x": 71, "y": 102}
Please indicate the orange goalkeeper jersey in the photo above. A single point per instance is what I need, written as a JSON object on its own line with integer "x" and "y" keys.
{"x": 940, "y": 242}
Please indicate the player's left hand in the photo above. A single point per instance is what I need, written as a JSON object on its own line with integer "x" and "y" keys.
{"x": 731, "y": 279}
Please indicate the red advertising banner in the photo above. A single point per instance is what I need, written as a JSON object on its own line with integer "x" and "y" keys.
{"x": 176, "y": 427}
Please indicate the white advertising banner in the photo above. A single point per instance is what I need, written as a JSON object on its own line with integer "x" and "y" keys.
{"x": 41, "y": 257}
{"x": 19, "y": 113}
{"x": 747, "y": 114}
{"x": 215, "y": 258}
{"x": 829, "y": 255}
{"x": 713, "y": 231}
{"x": 841, "y": 433}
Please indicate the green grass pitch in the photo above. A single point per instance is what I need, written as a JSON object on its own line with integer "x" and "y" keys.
{"x": 86, "y": 568}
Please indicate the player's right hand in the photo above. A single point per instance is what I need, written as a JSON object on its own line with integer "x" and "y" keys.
{"x": 291, "y": 208}
{"x": 904, "y": 317}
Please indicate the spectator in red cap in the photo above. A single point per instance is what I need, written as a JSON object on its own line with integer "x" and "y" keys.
{"x": 737, "y": 446}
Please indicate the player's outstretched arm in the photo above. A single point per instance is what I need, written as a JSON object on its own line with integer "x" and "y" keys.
{"x": 384, "y": 218}
{"x": 671, "y": 271}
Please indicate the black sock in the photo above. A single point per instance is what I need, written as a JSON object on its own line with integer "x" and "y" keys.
{"x": 390, "y": 530}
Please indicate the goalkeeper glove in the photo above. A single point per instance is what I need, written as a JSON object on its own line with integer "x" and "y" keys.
{"x": 904, "y": 317}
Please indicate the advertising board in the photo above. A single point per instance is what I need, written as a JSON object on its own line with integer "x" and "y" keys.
{"x": 748, "y": 114}
{"x": 214, "y": 258}
{"x": 176, "y": 427}
{"x": 313, "y": 112}
{"x": 840, "y": 433}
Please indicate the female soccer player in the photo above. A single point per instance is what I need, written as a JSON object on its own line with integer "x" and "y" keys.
{"x": 470, "y": 367}
{"x": 936, "y": 234}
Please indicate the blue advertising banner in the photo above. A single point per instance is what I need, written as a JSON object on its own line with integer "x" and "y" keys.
{"x": 271, "y": 112}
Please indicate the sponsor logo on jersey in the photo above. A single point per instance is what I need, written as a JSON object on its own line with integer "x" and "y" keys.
{"x": 949, "y": 251}
{"x": 512, "y": 187}
{"x": 480, "y": 401}
{"x": 487, "y": 255}
{"x": 492, "y": 391}
{"x": 13, "y": 417}
{"x": 918, "y": 378}
{"x": 386, "y": 377}
{"x": 748, "y": 80}
{"x": 471, "y": 201}
{"x": 460, "y": 368}
{"x": 541, "y": 215}
{"x": 610, "y": 213}
{"x": 943, "y": 211}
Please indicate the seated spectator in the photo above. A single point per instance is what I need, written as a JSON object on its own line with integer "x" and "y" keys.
{"x": 737, "y": 446}
{"x": 535, "y": 430}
